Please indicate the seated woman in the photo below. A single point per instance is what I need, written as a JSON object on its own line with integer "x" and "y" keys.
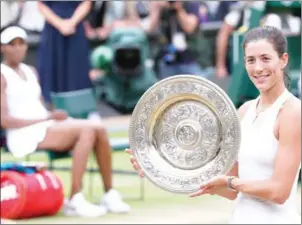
{"x": 30, "y": 126}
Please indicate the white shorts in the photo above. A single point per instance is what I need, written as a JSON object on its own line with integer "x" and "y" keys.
{"x": 23, "y": 141}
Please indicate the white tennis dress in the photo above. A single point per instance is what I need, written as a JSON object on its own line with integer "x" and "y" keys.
{"x": 256, "y": 162}
{"x": 24, "y": 102}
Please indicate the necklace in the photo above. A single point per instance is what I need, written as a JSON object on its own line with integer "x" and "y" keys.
{"x": 259, "y": 110}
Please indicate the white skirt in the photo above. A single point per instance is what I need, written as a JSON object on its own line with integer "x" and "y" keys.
{"x": 23, "y": 141}
{"x": 254, "y": 211}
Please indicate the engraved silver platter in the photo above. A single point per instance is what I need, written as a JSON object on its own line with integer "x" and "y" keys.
{"x": 184, "y": 130}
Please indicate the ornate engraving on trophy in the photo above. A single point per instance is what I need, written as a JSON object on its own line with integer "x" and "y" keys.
{"x": 184, "y": 130}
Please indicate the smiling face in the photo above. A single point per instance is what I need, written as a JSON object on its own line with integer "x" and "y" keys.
{"x": 264, "y": 65}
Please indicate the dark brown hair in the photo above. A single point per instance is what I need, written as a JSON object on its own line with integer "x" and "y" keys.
{"x": 274, "y": 36}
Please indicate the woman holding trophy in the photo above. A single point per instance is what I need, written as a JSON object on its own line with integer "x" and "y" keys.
{"x": 263, "y": 181}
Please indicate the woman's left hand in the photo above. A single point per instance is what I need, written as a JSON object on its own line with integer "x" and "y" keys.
{"x": 211, "y": 186}
{"x": 67, "y": 27}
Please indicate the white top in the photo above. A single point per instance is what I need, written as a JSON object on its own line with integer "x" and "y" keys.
{"x": 24, "y": 102}
{"x": 256, "y": 162}
{"x": 31, "y": 18}
{"x": 23, "y": 96}
{"x": 115, "y": 11}
{"x": 9, "y": 12}
{"x": 233, "y": 18}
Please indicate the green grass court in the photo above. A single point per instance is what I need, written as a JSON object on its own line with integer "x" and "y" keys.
{"x": 158, "y": 206}
{"x": 127, "y": 185}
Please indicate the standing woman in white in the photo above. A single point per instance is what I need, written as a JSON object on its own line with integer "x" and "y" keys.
{"x": 263, "y": 182}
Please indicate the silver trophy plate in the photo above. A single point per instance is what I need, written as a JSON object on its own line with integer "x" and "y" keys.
{"x": 184, "y": 130}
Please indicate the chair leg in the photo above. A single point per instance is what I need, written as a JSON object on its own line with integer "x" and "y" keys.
{"x": 27, "y": 158}
{"x": 50, "y": 164}
{"x": 91, "y": 184}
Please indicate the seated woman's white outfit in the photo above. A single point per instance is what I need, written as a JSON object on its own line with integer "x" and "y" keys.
{"x": 24, "y": 102}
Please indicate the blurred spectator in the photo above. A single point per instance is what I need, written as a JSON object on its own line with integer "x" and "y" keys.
{"x": 131, "y": 17}
{"x": 203, "y": 13}
{"x": 239, "y": 18}
{"x": 223, "y": 8}
{"x": 142, "y": 8}
{"x": 212, "y": 7}
{"x": 210, "y": 11}
{"x": 31, "y": 18}
{"x": 9, "y": 13}
{"x": 63, "y": 57}
{"x": 182, "y": 46}
{"x": 106, "y": 15}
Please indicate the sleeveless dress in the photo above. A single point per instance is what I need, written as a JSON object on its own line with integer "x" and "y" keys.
{"x": 256, "y": 162}
{"x": 23, "y": 102}
{"x": 63, "y": 61}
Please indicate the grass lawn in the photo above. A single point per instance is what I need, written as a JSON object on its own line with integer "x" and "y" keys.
{"x": 158, "y": 206}
{"x": 127, "y": 185}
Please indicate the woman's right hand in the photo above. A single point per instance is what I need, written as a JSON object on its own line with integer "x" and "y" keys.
{"x": 58, "y": 115}
{"x": 67, "y": 27}
{"x": 134, "y": 163}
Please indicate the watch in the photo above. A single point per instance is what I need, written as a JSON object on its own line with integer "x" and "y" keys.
{"x": 229, "y": 183}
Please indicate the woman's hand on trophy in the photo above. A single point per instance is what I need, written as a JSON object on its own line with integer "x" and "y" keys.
{"x": 213, "y": 186}
{"x": 134, "y": 163}
{"x": 205, "y": 191}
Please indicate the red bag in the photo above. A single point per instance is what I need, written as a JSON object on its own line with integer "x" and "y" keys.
{"x": 30, "y": 195}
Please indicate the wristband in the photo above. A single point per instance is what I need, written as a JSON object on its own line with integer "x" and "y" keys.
{"x": 229, "y": 183}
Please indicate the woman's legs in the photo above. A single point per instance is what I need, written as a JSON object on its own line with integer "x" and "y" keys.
{"x": 102, "y": 148}
{"x": 102, "y": 152}
{"x": 81, "y": 136}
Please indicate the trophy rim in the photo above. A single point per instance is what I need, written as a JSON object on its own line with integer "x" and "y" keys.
{"x": 135, "y": 115}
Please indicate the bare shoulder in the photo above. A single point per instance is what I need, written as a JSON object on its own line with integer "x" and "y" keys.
{"x": 3, "y": 82}
{"x": 291, "y": 111}
{"x": 243, "y": 108}
{"x": 34, "y": 70}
